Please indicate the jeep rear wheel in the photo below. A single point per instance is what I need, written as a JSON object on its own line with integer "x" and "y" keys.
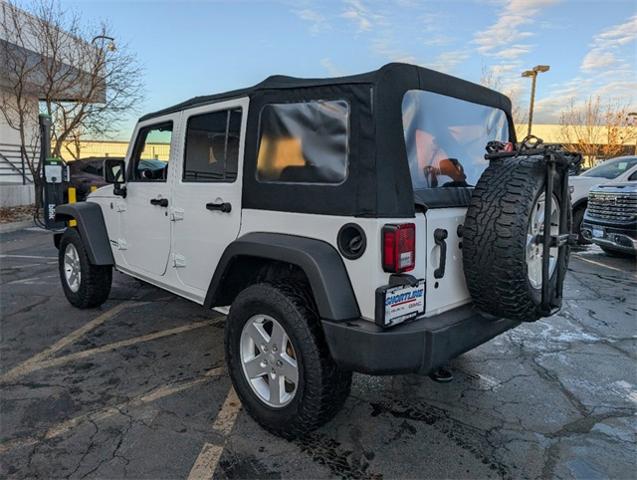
{"x": 502, "y": 262}
{"x": 279, "y": 362}
{"x": 85, "y": 285}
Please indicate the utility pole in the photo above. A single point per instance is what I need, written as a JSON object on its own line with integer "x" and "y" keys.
{"x": 533, "y": 74}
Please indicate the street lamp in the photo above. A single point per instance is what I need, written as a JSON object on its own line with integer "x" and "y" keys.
{"x": 110, "y": 46}
{"x": 533, "y": 74}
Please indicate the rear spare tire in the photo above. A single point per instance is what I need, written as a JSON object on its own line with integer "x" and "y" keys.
{"x": 503, "y": 266}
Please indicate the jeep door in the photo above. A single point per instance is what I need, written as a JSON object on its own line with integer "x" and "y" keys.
{"x": 206, "y": 208}
{"x": 145, "y": 224}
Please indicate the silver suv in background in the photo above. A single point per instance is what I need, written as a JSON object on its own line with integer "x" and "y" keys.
{"x": 611, "y": 218}
{"x": 620, "y": 169}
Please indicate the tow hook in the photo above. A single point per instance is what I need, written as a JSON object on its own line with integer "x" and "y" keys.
{"x": 441, "y": 375}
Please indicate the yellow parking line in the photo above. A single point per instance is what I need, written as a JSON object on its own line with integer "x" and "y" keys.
{"x": 599, "y": 264}
{"x": 227, "y": 415}
{"x": 206, "y": 463}
{"x": 31, "y": 364}
{"x": 61, "y": 428}
{"x": 208, "y": 459}
{"x": 53, "y": 362}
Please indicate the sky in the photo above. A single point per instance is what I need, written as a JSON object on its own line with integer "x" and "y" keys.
{"x": 190, "y": 48}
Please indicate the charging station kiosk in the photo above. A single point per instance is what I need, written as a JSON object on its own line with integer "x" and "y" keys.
{"x": 55, "y": 174}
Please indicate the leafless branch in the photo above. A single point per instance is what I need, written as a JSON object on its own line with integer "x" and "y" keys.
{"x": 51, "y": 65}
{"x": 596, "y": 128}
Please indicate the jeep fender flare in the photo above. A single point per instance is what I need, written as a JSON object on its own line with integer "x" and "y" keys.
{"x": 321, "y": 263}
{"x": 91, "y": 227}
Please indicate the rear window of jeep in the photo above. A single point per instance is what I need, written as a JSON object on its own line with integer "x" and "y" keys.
{"x": 446, "y": 138}
{"x": 304, "y": 142}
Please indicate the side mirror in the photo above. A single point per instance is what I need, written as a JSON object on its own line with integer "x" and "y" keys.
{"x": 115, "y": 173}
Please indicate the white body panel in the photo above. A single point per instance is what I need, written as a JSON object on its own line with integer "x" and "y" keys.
{"x": 366, "y": 273}
{"x": 581, "y": 187}
{"x": 145, "y": 229}
{"x": 200, "y": 236}
{"x": 450, "y": 291}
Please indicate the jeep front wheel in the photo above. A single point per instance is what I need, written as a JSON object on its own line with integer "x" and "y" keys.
{"x": 85, "y": 285}
{"x": 279, "y": 363}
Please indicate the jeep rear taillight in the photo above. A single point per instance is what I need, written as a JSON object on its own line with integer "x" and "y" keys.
{"x": 399, "y": 247}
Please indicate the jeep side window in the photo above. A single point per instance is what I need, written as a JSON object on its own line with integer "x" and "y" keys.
{"x": 212, "y": 147}
{"x": 304, "y": 142}
{"x": 152, "y": 153}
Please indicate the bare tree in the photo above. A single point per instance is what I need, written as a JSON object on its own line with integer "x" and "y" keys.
{"x": 597, "y": 129}
{"x": 54, "y": 64}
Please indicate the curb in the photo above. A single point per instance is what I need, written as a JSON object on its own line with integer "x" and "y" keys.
{"x": 15, "y": 226}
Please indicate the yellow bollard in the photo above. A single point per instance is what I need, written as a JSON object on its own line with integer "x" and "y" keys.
{"x": 72, "y": 192}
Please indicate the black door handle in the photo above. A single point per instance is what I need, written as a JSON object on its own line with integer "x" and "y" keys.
{"x": 440, "y": 235}
{"x": 162, "y": 202}
{"x": 224, "y": 207}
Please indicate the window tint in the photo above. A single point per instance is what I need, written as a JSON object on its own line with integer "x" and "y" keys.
{"x": 212, "y": 147}
{"x": 152, "y": 153}
{"x": 303, "y": 142}
{"x": 446, "y": 138}
{"x": 633, "y": 177}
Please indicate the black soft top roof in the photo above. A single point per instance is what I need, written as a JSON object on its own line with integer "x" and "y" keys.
{"x": 390, "y": 74}
{"x": 378, "y": 183}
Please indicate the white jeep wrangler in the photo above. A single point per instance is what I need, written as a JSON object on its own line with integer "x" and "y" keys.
{"x": 350, "y": 224}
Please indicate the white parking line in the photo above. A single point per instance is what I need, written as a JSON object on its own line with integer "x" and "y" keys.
{"x": 32, "y": 363}
{"x": 63, "y": 427}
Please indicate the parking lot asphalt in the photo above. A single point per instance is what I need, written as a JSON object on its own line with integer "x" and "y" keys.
{"x": 137, "y": 389}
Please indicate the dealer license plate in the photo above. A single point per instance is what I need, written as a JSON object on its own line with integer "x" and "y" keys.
{"x": 598, "y": 233}
{"x": 404, "y": 302}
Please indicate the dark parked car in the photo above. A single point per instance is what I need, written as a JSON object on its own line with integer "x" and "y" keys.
{"x": 610, "y": 220}
{"x": 85, "y": 173}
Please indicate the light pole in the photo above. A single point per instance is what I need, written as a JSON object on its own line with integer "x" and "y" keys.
{"x": 533, "y": 74}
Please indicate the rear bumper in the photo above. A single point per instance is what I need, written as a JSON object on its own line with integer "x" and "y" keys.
{"x": 417, "y": 347}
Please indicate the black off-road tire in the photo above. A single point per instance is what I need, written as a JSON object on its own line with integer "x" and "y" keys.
{"x": 322, "y": 387}
{"x": 578, "y": 218}
{"x": 95, "y": 283}
{"x": 495, "y": 237}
